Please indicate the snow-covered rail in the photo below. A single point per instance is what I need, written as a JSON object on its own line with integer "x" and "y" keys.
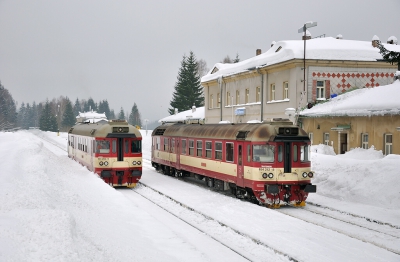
{"x": 381, "y": 234}
{"x": 209, "y": 226}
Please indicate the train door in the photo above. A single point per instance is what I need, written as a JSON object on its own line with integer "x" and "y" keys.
{"x": 240, "y": 169}
{"x": 287, "y": 157}
{"x": 120, "y": 149}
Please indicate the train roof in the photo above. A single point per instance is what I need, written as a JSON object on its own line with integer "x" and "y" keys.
{"x": 269, "y": 131}
{"x": 112, "y": 128}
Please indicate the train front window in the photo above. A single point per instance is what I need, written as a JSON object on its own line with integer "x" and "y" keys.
{"x": 103, "y": 147}
{"x": 263, "y": 153}
{"x": 136, "y": 146}
{"x": 304, "y": 153}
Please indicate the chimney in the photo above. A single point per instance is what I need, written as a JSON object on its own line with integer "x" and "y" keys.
{"x": 258, "y": 52}
{"x": 176, "y": 111}
{"x": 392, "y": 40}
{"x": 375, "y": 41}
{"x": 339, "y": 36}
{"x": 193, "y": 108}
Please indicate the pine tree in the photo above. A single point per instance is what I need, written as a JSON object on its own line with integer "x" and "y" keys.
{"x": 77, "y": 107}
{"x": 48, "y": 121}
{"x": 134, "y": 116}
{"x": 112, "y": 114}
{"x": 68, "y": 118}
{"x": 8, "y": 109}
{"x": 92, "y": 105}
{"x": 21, "y": 115}
{"x": 29, "y": 117}
{"x": 188, "y": 91}
{"x": 104, "y": 108}
{"x": 389, "y": 56}
{"x": 237, "y": 59}
{"x": 121, "y": 114}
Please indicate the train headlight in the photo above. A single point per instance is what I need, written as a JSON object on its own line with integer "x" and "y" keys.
{"x": 106, "y": 163}
{"x": 264, "y": 175}
{"x": 310, "y": 174}
{"x": 138, "y": 162}
{"x": 304, "y": 175}
{"x": 270, "y": 175}
{"x": 133, "y": 162}
{"x": 101, "y": 163}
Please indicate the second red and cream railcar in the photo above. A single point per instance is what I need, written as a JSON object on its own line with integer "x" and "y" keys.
{"x": 112, "y": 149}
{"x": 268, "y": 163}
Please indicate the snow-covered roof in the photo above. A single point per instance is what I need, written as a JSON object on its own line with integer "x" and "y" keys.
{"x": 380, "y": 100}
{"x": 327, "y": 48}
{"x": 185, "y": 115}
{"x": 92, "y": 117}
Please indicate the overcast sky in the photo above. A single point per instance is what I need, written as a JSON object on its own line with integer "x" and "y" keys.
{"x": 130, "y": 51}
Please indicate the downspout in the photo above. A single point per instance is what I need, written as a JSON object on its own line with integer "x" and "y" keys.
{"x": 262, "y": 94}
{"x": 220, "y": 81}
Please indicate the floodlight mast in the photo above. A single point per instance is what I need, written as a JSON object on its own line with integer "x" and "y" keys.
{"x": 303, "y": 29}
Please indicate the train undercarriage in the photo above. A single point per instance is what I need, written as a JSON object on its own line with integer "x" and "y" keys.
{"x": 273, "y": 196}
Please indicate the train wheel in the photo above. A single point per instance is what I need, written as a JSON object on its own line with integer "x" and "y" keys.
{"x": 176, "y": 173}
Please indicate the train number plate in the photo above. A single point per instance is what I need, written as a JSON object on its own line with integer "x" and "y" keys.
{"x": 264, "y": 169}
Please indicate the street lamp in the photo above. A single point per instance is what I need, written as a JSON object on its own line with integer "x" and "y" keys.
{"x": 303, "y": 29}
{"x": 145, "y": 121}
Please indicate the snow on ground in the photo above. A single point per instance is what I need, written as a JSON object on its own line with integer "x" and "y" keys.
{"x": 53, "y": 209}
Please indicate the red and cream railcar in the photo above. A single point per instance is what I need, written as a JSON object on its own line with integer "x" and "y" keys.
{"x": 112, "y": 149}
{"x": 268, "y": 163}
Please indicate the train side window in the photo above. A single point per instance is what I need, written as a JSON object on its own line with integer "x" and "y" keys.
{"x": 248, "y": 153}
{"x": 280, "y": 153}
{"x": 295, "y": 153}
{"x": 183, "y": 146}
{"x": 114, "y": 145}
{"x": 304, "y": 157}
{"x": 218, "y": 150}
{"x": 172, "y": 145}
{"x": 229, "y": 152}
{"x": 166, "y": 145}
{"x": 191, "y": 147}
{"x": 208, "y": 149}
{"x": 263, "y": 153}
{"x": 136, "y": 146}
{"x": 199, "y": 148}
{"x": 158, "y": 143}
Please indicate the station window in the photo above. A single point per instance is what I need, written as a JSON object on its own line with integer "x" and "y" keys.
{"x": 364, "y": 141}
{"x": 218, "y": 150}
{"x": 320, "y": 89}
{"x": 191, "y": 147}
{"x": 183, "y": 146}
{"x": 258, "y": 94}
{"x": 388, "y": 144}
{"x": 247, "y": 94}
{"x": 218, "y": 100}
{"x": 272, "y": 94}
{"x": 229, "y": 152}
{"x": 285, "y": 90}
{"x": 211, "y": 105}
{"x": 208, "y": 149}
{"x": 326, "y": 139}
{"x": 228, "y": 98}
{"x": 237, "y": 97}
{"x": 199, "y": 148}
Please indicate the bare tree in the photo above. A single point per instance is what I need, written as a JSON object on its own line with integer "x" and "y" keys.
{"x": 202, "y": 69}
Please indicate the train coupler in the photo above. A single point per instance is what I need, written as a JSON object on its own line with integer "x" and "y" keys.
{"x": 299, "y": 204}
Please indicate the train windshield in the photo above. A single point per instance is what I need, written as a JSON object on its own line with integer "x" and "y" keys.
{"x": 103, "y": 147}
{"x": 304, "y": 153}
{"x": 136, "y": 146}
{"x": 263, "y": 153}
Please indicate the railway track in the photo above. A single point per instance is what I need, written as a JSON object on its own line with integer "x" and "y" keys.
{"x": 378, "y": 233}
{"x": 203, "y": 224}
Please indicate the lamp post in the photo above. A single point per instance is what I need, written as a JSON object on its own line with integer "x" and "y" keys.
{"x": 145, "y": 121}
{"x": 303, "y": 29}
